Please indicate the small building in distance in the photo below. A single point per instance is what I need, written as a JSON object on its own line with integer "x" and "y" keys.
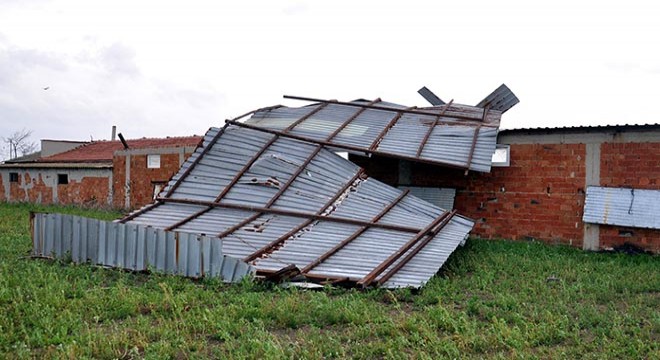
{"x": 96, "y": 173}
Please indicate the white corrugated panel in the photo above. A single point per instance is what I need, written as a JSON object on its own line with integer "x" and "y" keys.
{"x": 621, "y": 206}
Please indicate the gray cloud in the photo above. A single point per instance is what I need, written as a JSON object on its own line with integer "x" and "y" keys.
{"x": 88, "y": 93}
{"x": 119, "y": 59}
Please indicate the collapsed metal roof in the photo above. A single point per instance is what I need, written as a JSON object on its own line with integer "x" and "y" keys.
{"x": 275, "y": 200}
{"x": 452, "y": 135}
{"x": 623, "y": 207}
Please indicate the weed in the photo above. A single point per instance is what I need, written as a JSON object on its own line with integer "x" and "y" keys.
{"x": 493, "y": 299}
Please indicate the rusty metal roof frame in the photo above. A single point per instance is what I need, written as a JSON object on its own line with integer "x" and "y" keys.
{"x": 450, "y": 135}
{"x": 396, "y": 216}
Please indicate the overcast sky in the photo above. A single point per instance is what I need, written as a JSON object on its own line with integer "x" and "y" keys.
{"x": 158, "y": 68}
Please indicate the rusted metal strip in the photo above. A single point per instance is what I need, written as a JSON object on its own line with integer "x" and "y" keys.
{"x": 472, "y": 147}
{"x": 430, "y": 130}
{"x": 277, "y": 195}
{"x": 347, "y": 147}
{"x": 295, "y": 123}
{"x": 267, "y": 108}
{"x": 387, "y": 128}
{"x": 229, "y": 186}
{"x": 428, "y": 230}
{"x": 135, "y": 214}
{"x": 355, "y": 235}
{"x": 196, "y": 161}
{"x": 350, "y": 120}
{"x": 245, "y": 168}
{"x": 414, "y": 251}
{"x": 299, "y": 214}
{"x": 377, "y": 107}
{"x": 273, "y": 244}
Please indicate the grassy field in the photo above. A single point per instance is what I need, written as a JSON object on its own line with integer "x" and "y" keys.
{"x": 494, "y": 299}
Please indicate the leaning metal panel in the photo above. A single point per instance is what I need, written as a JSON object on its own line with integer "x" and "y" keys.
{"x": 623, "y": 207}
{"x": 133, "y": 247}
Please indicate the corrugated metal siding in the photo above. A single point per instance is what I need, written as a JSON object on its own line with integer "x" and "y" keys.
{"x": 450, "y": 142}
{"x": 133, "y": 247}
{"x": 624, "y": 207}
{"x": 441, "y": 197}
{"x": 323, "y": 179}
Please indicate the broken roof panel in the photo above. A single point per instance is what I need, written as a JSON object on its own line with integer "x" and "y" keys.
{"x": 452, "y": 135}
{"x": 276, "y": 201}
{"x": 623, "y": 207}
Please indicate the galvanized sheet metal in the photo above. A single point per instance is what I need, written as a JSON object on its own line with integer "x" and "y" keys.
{"x": 501, "y": 99}
{"x": 623, "y": 207}
{"x": 450, "y": 142}
{"x": 441, "y": 197}
{"x": 319, "y": 181}
{"x": 133, "y": 247}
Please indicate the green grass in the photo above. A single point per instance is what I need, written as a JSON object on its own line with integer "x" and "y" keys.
{"x": 492, "y": 300}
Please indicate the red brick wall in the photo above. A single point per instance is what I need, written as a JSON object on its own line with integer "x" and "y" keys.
{"x": 118, "y": 178}
{"x": 141, "y": 178}
{"x": 630, "y": 165}
{"x": 541, "y": 194}
{"x": 89, "y": 191}
{"x": 635, "y": 165}
{"x": 614, "y": 236}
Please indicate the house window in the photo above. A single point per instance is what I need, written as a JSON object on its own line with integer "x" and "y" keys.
{"x": 13, "y": 177}
{"x": 153, "y": 161}
{"x": 501, "y": 157}
{"x": 62, "y": 179}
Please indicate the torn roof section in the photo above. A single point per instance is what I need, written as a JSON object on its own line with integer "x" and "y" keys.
{"x": 451, "y": 135}
{"x": 276, "y": 201}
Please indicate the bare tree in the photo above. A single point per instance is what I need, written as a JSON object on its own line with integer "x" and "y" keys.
{"x": 19, "y": 142}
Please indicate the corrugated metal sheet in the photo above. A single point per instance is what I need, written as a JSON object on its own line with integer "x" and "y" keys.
{"x": 640, "y": 125}
{"x": 441, "y": 197}
{"x": 623, "y": 207}
{"x": 451, "y": 135}
{"x": 429, "y": 96}
{"x": 133, "y": 247}
{"x": 501, "y": 99}
{"x": 277, "y": 201}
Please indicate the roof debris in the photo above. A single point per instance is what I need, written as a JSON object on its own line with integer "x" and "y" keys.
{"x": 451, "y": 135}
{"x": 278, "y": 200}
{"x": 622, "y": 206}
{"x": 326, "y": 217}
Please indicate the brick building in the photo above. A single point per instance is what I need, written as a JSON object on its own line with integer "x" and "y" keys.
{"x": 98, "y": 173}
{"x": 537, "y": 191}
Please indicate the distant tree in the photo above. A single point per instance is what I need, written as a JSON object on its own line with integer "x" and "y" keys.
{"x": 19, "y": 142}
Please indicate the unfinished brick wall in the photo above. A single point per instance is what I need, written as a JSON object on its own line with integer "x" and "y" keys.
{"x": 633, "y": 165}
{"x": 615, "y": 236}
{"x": 541, "y": 194}
{"x": 89, "y": 191}
{"x": 142, "y": 179}
{"x": 85, "y": 187}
